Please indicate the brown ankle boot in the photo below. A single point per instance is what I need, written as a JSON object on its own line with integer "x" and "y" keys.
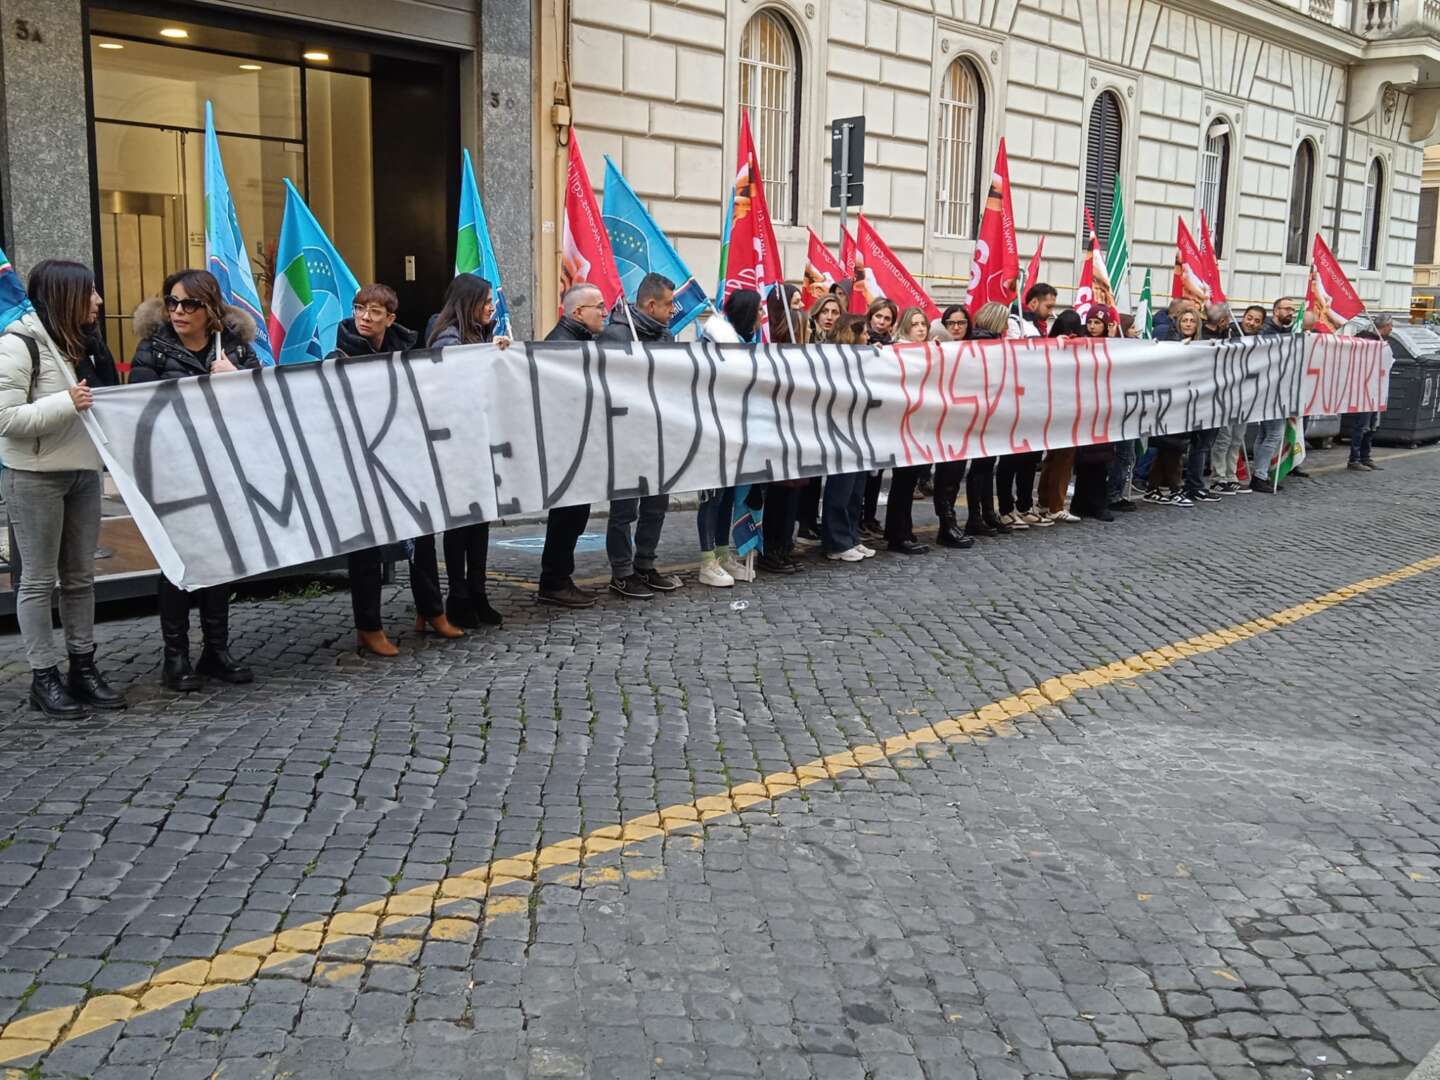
{"x": 376, "y": 642}
{"x": 438, "y": 623}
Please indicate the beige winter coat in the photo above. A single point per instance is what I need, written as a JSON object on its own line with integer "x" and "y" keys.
{"x": 45, "y": 435}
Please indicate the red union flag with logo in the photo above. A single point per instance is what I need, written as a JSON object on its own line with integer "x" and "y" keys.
{"x": 1212, "y": 264}
{"x": 1331, "y": 298}
{"x": 886, "y": 275}
{"x": 1094, "y": 289}
{"x": 753, "y": 261}
{"x": 585, "y": 245}
{"x": 995, "y": 270}
{"x": 861, "y": 292}
{"x": 821, "y": 271}
{"x": 1192, "y": 275}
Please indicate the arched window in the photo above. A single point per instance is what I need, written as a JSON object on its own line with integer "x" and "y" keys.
{"x": 959, "y": 195}
{"x": 1302, "y": 195}
{"x": 769, "y": 88}
{"x": 1215, "y": 180}
{"x": 1102, "y": 160}
{"x": 1370, "y": 219}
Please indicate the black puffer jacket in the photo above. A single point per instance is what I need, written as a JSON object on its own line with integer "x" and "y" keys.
{"x": 160, "y": 355}
{"x": 568, "y": 329}
{"x": 350, "y": 342}
{"x": 646, "y": 328}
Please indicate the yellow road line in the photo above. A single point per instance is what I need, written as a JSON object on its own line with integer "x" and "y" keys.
{"x": 449, "y": 909}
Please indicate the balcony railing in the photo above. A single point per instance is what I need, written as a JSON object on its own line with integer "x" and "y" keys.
{"x": 1375, "y": 18}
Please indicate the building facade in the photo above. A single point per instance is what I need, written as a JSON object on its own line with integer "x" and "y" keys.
{"x": 1280, "y": 120}
{"x": 363, "y": 104}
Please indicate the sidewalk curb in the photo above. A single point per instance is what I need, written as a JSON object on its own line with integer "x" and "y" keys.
{"x": 1429, "y": 1067}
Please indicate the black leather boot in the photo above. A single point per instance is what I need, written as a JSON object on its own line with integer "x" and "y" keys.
{"x": 461, "y": 612}
{"x": 88, "y": 686}
{"x": 215, "y": 659}
{"x": 485, "y": 615}
{"x": 950, "y": 535}
{"x": 48, "y": 695}
{"x": 176, "y": 673}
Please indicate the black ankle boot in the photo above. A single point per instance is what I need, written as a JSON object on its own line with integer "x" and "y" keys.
{"x": 217, "y": 663}
{"x": 87, "y": 685}
{"x": 215, "y": 659}
{"x": 460, "y": 611}
{"x": 485, "y": 615}
{"x": 177, "y": 673}
{"x": 48, "y": 695}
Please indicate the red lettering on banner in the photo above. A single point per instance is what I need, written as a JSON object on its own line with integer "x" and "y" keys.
{"x": 1109, "y": 387}
{"x": 1079, "y": 398}
{"x": 1312, "y": 370}
{"x": 953, "y": 398}
{"x": 907, "y": 432}
{"x": 992, "y": 405}
{"x": 1017, "y": 394}
{"x": 1049, "y": 393}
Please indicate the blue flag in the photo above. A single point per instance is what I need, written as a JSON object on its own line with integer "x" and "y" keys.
{"x": 13, "y": 301}
{"x": 224, "y": 246}
{"x": 314, "y": 289}
{"x": 641, "y": 248}
{"x": 474, "y": 254}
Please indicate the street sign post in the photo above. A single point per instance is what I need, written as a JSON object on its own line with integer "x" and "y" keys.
{"x": 847, "y": 167}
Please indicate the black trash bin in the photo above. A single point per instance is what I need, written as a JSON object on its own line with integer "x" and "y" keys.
{"x": 1412, "y": 415}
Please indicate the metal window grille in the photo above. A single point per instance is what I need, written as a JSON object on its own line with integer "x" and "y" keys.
{"x": 769, "y": 62}
{"x": 1370, "y": 221}
{"x": 1102, "y": 161}
{"x": 1302, "y": 194}
{"x": 958, "y": 192}
{"x": 1215, "y": 180}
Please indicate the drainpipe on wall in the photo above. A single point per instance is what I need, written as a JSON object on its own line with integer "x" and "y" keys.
{"x": 1340, "y": 176}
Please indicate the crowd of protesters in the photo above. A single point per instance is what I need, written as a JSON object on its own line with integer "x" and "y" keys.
{"x": 51, "y": 358}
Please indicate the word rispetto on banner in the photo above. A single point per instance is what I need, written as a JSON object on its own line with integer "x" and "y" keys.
{"x": 236, "y": 474}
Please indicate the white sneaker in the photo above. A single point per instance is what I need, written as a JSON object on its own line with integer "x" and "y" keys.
{"x": 852, "y": 555}
{"x": 737, "y": 570}
{"x": 1065, "y": 515}
{"x": 1040, "y": 521}
{"x": 865, "y": 552}
{"x": 714, "y": 575}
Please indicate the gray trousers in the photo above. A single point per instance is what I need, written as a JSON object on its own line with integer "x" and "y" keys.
{"x": 1268, "y": 440}
{"x": 56, "y": 518}
{"x": 628, "y": 555}
{"x": 1229, "y": 441}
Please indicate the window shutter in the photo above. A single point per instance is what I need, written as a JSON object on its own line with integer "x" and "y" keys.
{"x": 1425, "y": 233}
{"x": 1102, "y": 161}
{"x": 1217, "y": 224}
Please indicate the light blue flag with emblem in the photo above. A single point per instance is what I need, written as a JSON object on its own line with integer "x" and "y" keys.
{"x": 225, "y": 250}
{"x": 474, "y": 254}
{"x": 642, "y": 248}
{"x": 13, "y": 301}
{"x": 314, "y": 289}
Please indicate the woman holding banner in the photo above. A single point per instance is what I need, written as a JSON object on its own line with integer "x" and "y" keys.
{"x": 789, "y": 325}
{"x": 187, "y": 331}
{"x": 913, "y": 328}
{"x": 824, "y": 318}
{"x": 51, "y": 481}
{"x": 467, "y": 318}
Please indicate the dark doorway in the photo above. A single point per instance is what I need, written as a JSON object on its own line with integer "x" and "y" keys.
{"x": 415, "y": 117}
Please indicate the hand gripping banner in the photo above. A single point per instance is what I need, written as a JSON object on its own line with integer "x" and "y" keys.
{"x": 236, "y": 474}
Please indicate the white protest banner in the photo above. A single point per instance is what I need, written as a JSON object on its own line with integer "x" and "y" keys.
{"x": 236, "y": 474}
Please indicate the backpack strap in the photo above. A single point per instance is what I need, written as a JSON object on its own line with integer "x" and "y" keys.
{"x": 34, "y": 350}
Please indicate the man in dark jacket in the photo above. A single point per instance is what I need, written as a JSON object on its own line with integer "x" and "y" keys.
{"x": 632, "y": 559}
{"x": 1363, "y": 425}
{"x": 583, "y": 320}
{"x": 1218, "y": 325}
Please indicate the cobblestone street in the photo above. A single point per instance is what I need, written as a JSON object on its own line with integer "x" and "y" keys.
{"x": 1154, "y": 799}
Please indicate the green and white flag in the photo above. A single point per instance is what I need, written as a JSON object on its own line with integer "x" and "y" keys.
{"x": 1145, "y": 312}
{"x": 1117, "y": 250}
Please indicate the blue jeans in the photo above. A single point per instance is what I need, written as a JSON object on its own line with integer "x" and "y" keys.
{"x": 1268, "y": 439}
{"x": 1142, "y": 466}
{"x": 1121, "y": 468}
{"x": 714, "y": 517}
{"x": 840, "y": 512}
{"x": 1362, "y": 434}
{"x": 629, "y": 555}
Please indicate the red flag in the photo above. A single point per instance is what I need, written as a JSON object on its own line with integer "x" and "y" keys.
{"x": 1331, "y": 297}
{"x": 754, "y": 257}
{"x": 995, "y": 269}
{"x": 585, "y": 245}
{"x": 1094, "y": 288}
{"x": 1032, "y": 275}
{"x": 861, "y": 293}
{"x": 821, "y": 271}
{"x": 1192, "y": 275}
{"x": 1212, "y": 264}
{"x": 886, "y": 274}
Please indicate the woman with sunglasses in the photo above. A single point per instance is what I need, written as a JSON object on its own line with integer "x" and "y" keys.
{"x": 178, "y": 336}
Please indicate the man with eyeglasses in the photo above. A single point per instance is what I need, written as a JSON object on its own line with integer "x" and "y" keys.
{"x": 582, "y": 319}
{"x": 632, "y": 559}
